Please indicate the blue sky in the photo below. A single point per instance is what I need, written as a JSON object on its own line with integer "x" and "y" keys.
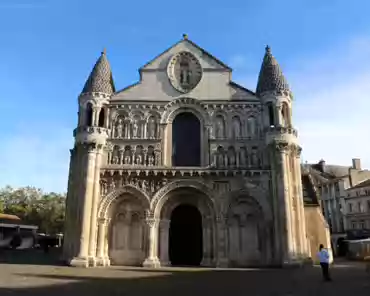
{"x": 49, "y": 47}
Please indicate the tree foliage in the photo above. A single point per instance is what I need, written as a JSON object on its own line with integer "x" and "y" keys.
{"x": 33, "y": 206}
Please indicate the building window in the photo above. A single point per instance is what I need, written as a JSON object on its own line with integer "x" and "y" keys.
{"x": 368, "y": 205}
{"x": 362, "y": 224}
{"x": 357, "y": 193}
{"x": 336, "y": 185}
{"x": 353, "y": 224}
{"x": 360, "y": 207}
{"x": 350, "y": 207}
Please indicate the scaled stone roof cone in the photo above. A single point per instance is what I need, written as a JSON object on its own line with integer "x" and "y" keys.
{"x": 271, "y": 78}
{"x": 100, "y": 79}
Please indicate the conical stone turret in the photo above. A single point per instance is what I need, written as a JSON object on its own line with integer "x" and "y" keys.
{"x": 271, "y": 78}
{"x": 100, "y": 79}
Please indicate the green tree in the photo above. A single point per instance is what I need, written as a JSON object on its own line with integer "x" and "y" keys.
{"x": 33, "y": 206}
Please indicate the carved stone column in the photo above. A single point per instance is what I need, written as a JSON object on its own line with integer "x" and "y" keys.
{"x": 152, "y": 259}
{"x": 207, "y": 242}
{"x": 222, "y": 260}
{"x": 101, "y": 256}
{"x": 284, "y": 203}
{"x": 300, "y": 202}
{"x": 95, "y": 116}
{"x": 163, "y": 244}
{"x": 82, "y": 257}
{"x": 94, "y": 209}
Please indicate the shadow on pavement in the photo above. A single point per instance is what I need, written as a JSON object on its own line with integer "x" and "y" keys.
{"x": 115, "y": 281}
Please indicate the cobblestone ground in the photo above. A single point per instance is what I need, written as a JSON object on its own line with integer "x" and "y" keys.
{"x": 40, "y": 278}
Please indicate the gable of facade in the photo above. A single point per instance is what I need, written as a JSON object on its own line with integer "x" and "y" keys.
{"x": 215, "y": 82}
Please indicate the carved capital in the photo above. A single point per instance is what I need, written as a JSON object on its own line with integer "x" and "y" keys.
{"x": 296, "y": 150}
{"x": 103, "y": 221}
{"x": 151, "y": 222}
{"x": 282, "y": 147}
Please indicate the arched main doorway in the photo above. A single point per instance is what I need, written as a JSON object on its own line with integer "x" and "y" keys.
{"x": 186, "y": 148}
{"x": 185, "y": 236}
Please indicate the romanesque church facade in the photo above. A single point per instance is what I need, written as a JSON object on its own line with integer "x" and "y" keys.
{"x": 185, "y": 167}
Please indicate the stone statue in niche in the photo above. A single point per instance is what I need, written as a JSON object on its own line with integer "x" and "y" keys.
{"x": 119, "y": 128}
{"x": 145, "y": 185}
{"x": 127, "y": 157}
{"x": 103, "y": 187}
{"x": 135, "y": 129}
{"x": 242, "y": 156}
{"x": 236, "y": 128}
{"x": 150, "y": 160}
{"x": 115, "y": 158}
{"x": 211, "y": 135}
{"x": 231, "y": 157}
{"x": 152, "y": 128}
{"x": 219, "y": 128}
{"x": 220, "y": 159}
{"x": 254, "y": 157}
{"x": 157, "y": 157}
{"x": 139, "y": 159}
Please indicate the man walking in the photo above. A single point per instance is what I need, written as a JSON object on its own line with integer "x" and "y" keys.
{"x": 324, "y": 258}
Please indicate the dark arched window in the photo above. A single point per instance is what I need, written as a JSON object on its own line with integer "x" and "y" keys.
{"x": 271, "y": 114}
{"x": 101, "y": 117}
{"x": 186, "y": 148}
{"x": 89, "y": 114}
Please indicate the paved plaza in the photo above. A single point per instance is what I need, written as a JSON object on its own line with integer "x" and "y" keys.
{"x": 41, "y": 278}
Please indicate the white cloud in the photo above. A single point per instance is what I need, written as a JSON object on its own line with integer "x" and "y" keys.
{"x": 331, "y": 101}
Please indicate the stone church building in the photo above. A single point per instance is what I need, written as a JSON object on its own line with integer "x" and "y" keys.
{"x": 186, "y": 167}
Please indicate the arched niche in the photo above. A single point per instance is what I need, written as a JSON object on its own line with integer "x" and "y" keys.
{"x": 285, "y": 115}
{"x": 248, "y": 242}
{"x": 236, "y": 127}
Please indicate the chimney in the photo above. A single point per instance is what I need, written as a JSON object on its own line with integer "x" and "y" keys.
{"x": 322, "y": 165}
{"x": 356, "y": 163}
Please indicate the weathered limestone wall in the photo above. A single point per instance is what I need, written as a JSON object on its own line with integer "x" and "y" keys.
{"x": 317, "y": 230}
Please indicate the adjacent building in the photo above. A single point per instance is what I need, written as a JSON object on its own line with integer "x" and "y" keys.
{"x": 357, "y": 207}
{"x": 333, "y": 181}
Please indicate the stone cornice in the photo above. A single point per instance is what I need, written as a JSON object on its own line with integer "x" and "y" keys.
{"x": 193, "y": 172}
{"x": 281, "y": 130}
{"x": 213, "y": 105}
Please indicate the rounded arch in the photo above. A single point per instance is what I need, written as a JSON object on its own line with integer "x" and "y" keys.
{"x": 119, "y": 113}
{"x": 136, "y": 114}
{"x": 244, "y": 194}
{"x": 185, "y": 105}
{"x": 132, "y": 190}
{"x": 151, "y": 114}
{"x": 285, "y": 114}
{"x": 162, "y": 196}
